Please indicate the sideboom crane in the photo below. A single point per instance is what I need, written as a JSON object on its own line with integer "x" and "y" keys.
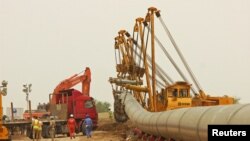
{"x": 137, "y": 55}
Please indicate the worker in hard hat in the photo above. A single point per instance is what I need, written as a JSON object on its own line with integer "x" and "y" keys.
{"x": 71, "y": 126}
{"x": 39, "y": 132}
{"x": 89, "y": 124}
{"x": 35, "y": 126}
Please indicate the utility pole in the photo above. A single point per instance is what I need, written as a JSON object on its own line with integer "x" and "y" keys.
{"x": 27, "y": 90}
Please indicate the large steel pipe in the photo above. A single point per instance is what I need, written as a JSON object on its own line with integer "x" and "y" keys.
{"x": 186, "y": 124}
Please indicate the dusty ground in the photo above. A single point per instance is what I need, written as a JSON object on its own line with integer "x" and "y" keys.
{"x": 108, "y": 130}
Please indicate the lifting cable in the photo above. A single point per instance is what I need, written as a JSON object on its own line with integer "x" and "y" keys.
{"x": 172, "y": 60}
{"x": 147, "y": 56}
{"x": 146, "y": 45}
{"x": 136, "y": 50}
{"x": 140, "y": 61}
{"x": 158, "y": 83}
{"x": 115, "y": 57}
{"x": 135, "y": 47}
{"x": 119, "y": 55}
{"x": 159, "y": 70}
{"x": 179, "y": 52}
{"x": 133, "y": 58}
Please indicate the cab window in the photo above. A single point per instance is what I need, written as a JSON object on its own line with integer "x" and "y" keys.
{"x": 183, "y": 93}
{"x": 175, "y": 93}
{"x": 88, "y": 104}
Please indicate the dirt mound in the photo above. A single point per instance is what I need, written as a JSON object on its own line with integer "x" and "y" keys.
{"x": 109, "y": 125}
{"x": 113, "y": 126}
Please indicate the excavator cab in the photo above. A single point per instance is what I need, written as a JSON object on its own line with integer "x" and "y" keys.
{"x": 178, "y": 95}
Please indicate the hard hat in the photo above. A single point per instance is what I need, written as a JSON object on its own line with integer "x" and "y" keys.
{"x": 71, "y": 115}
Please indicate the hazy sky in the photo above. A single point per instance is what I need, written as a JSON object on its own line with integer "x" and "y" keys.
{"x": 45, "y": 41}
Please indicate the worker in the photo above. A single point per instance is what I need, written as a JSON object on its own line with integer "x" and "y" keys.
{"x": 52, "y": 125}
{"x": 89, "y": 124}
{"x": 39, "y": 132}
{"x": 71, "y": 126}
{"x": 35, "y": 126}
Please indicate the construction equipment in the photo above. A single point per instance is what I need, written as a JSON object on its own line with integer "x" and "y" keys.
{"x": 161, "y": 92}
{"x": 35, "y": 113}
{"x": 4, "y": 133}
{"x": 65, "y": 101}
{"x": 136, "y": 62}
{"x": 183, "y": 124}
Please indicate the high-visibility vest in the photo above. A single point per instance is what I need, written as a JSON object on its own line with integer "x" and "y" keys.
{"x": 40, "y": 123}
{"x": 36, "y": 124}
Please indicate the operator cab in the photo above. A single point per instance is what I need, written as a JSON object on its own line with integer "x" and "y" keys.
{"x": 178, "y": 95}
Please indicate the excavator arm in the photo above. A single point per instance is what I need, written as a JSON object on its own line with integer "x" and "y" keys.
{"x": 70, "y": 82}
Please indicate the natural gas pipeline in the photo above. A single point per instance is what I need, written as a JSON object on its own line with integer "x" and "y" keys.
{"x": 186, "y": 124}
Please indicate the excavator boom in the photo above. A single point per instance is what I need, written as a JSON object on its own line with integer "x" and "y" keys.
{"x": 70, "y": 82}
{"x": 74, "y": 80}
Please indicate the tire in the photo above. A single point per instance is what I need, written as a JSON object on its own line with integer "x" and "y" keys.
{"x": 44, "y": 128}
{"x": 83, "y": 129}
{"x": 29, "y": 132}
{"x": 46, "y": 131}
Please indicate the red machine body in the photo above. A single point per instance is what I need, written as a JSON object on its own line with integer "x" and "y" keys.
{"x": 77, "y": 104}
{"x": 66, "y": 100}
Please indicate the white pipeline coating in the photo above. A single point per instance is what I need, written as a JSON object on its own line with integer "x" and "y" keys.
{"x": 186, "y": 124}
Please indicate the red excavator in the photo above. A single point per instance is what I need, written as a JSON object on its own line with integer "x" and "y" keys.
{"x": 65, "y": 101}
